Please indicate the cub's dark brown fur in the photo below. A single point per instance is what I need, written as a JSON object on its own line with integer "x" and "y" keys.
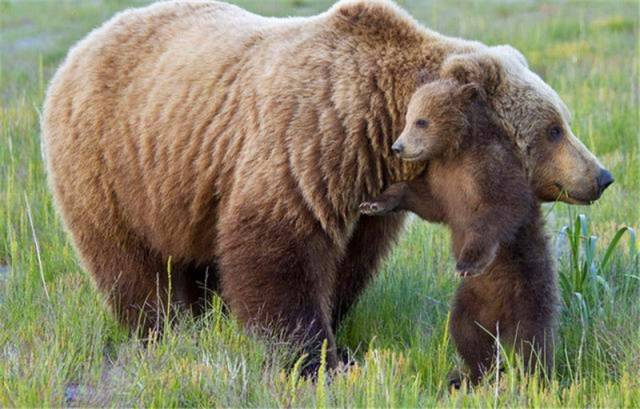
{"x": 477, "y": 185}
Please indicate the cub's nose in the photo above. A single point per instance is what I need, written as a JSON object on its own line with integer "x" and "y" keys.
{"x": 397, "y": 148}
{"x": 604, "y": 179}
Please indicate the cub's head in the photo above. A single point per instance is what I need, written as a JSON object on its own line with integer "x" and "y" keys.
{"x": 536, "y": 120}
{"x": 436, "y": 120}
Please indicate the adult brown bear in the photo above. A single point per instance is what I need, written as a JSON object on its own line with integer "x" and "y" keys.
{"x": 240, "y": 147}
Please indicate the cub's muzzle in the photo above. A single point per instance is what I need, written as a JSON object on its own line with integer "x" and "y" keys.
{"x": 397, "y": 148}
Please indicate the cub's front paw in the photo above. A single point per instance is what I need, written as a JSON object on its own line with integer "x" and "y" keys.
{"x": 373, "y": 208}
{"x": 475, "y": 258}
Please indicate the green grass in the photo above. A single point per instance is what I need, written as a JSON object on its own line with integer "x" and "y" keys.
{"x": 58, "y": 341}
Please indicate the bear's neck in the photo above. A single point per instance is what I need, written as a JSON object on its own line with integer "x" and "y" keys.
{"x": 367, "y": 57}
{"x": 373, "y": 86}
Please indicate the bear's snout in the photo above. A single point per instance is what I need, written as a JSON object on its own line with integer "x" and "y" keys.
{"x": 603, "y": 180}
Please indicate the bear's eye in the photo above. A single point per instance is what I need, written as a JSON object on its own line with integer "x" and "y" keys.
{"x": 555, "y": 133}
{"x": 422, "y": 123}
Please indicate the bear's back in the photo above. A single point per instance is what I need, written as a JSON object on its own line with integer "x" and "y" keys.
{"x": 125, "y": 115}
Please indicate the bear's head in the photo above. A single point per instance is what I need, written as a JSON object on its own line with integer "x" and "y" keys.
{"x": 560, "y": 167}
{"x": 437, "y": 120}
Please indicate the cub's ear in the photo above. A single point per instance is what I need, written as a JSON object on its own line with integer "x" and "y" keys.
{"x": 471, "y": 92}
{"x": 425, "y": 76}
{"x": 480, "y": 68}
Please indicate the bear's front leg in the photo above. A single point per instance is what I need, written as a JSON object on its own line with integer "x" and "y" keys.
{"x": 482, "y": 239}
{"x": 476, "y": 255}
{"x": 372, "y": 240}
{"x": 277, "y": 278}
{"x": 491, "y": 227}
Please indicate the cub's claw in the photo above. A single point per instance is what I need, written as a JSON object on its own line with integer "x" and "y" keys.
{"x": 470, "y": 269}
{"x": 475, "y": 259}
{"x": 467, "y": 271}
{"x": 371, "y": 208}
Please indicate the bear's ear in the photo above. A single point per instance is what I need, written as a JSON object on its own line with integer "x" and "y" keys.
{"x": 508, "y": 50}
{"x": 480, "y": 68}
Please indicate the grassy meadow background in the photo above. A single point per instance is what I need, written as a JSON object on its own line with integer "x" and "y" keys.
{"x": 59, "y": 346}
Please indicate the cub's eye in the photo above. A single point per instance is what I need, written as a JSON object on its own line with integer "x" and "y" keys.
{"x": 555, "y": 133}
{"x": 422, "y": 123}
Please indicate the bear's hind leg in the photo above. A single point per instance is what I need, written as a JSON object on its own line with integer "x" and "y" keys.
{"x": 131, "y": 276}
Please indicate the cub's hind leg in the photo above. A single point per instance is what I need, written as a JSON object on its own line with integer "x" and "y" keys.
{"x": 533, "y": 326}
{"x": 534, "y": 343}
{"x": 474, "y": 342}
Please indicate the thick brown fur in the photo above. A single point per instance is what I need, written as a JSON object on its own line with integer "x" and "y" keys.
{"x": 477, "y": 185}
{"x": 239, "y": 147}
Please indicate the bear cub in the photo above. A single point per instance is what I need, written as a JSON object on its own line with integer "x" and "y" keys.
{"x": 476, "y": 184}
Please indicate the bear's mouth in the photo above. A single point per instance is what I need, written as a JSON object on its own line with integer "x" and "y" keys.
{"x": 573, "y": 198}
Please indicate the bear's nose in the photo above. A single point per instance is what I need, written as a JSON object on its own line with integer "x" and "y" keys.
{"x": 397, "y": 148}
{"x": 604, "y": 179}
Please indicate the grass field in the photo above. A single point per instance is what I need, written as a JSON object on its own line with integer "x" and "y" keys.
{"x": 59, "y": 345}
